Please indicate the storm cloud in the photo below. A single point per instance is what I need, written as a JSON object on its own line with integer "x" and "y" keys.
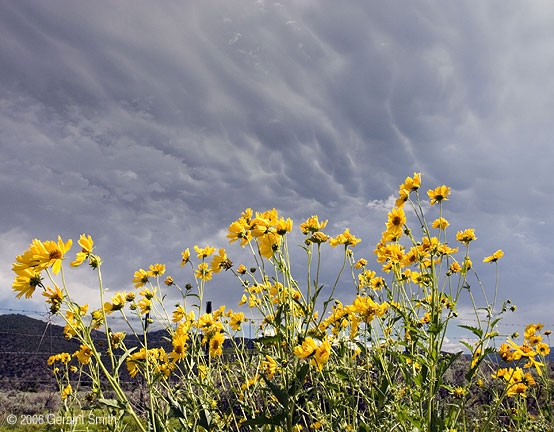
{"x": 152, "y": 126}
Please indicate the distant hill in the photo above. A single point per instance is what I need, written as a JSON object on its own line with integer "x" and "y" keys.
{"x": 26, "y": 343}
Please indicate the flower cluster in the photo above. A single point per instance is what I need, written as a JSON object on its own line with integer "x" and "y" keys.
{"x": 314, "y": 362}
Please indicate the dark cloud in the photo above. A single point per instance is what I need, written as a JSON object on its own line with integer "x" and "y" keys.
{"x": 152, "y": 128}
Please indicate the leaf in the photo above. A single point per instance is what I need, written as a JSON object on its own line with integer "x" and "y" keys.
{"x": 122, "y": 359}
{"x": 274, "y": 420}
{"x": 176, "y": 408}
{"x": 476, "y": 331}
{"x": 342, "y": 374}
{"x": 268, "y": 340}
{"x": 113, "y": 403}
{"x": 278, "y": 392}
{"x": 205, "y": 419}
{"x": 468, "y": 346}
{"x": 447, "y": 362}
{"x": 299, "y": 380}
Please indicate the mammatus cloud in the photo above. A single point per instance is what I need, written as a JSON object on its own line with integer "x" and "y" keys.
{"x": 153, "y": 128}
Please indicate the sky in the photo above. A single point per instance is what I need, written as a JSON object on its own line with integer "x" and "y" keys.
{"x": 152, "y": 126}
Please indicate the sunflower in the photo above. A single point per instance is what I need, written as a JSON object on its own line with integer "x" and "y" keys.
{"x": 439, "y": 194}
{"x": 216, "y": 344}
{"x": 51, "y": 253}
{"x": 495, "y": 256}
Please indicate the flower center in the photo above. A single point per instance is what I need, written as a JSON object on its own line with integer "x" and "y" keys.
{"x": 54, "y": 255}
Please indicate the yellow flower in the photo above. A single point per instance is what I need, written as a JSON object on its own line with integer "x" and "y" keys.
{"x": 206, "y": 322}
{"x": 530, "y": 330}
{"x": 440, "y": 223}
{"x": 318, "y": 237}
{"x": 306, "y": 349}
{"x": 495, "y": 256}
{"x": 236, "y": 321}
{"x": 396, "y": 221}
{"x": 140, "y": 278}
{"x": 203, "y": 253}
{"x": 404, "y": 195}
{"x": 178, "y": 314}
{"x": 83, "y": 355}
{"x": 459, "y": 392}
{"x": 269, "y": 366}
{"x": 186, "y": 257}
{"x": 216, "y": 344}
{"x": 269, "y": 244}
{"x": 148, "y": 294}
{"x": 203, "y": 272}
{"x": 202, "y": 372}
{"x": 66, "y": 391}
{"x": 377, "y": 283}
{"x": 535, "y": 340}
{"x": 312, "y": 225}
{"x": 518, "y": 389}
{"x": 26, "y": 283}
{"x": 283, "y": 226}
{"x": 412, "y": 184}
{"x": 247, "y": 214}
{"x": 156, "y": 270}
{"x": 220, "y": 262}
{"x": 29, "y": 260}
{"x": 53, "y": 295}
{"x": 51, "y": 253}
{"x": 321, "y": 354}
{"x": 241, "y": 270}
{"x": 243, "y": 300}
{"x": 466, "y": 236}
{"x": 439, "y": 194}
{"x": 240, "y": 229}
{"x": 445, "y": 250}
{"x": 345, "y": 238}
{"x": 145, "y": 305}
{"x": 86, "y": 244}
{"x": 506, "y": 353}
{"x": 169, "y": 281}
{"x": 543, "y": 349}
{"x": 360, "y": 263}
{"x": 118, "y": 301}
{"x": 179, "y": 347}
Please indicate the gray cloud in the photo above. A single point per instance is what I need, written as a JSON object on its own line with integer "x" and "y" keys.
{"x": 152, "y": 128}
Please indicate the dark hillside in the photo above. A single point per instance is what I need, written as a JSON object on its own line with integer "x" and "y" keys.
{"x": 26, "y": 343}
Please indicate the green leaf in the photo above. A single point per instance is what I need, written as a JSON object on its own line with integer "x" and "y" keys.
{"x": 176, "y": 408}
{"x": 278, "y": 392}
{"x": 122, "y": 359}
{"x": 447, "y": 362}
{"x": 299, "y": 380}
{"x": 268, "y": 340}
{"x": 468, "y": 346}
{"x": 476, "y": 331}
{"x": 276, "y": 420}
{"x": 205, "y": 419}
{"x": 113, "y": 403}
{"x": 342, "y": 374}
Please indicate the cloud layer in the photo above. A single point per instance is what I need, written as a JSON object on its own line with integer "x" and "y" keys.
{"x": 153, "y": 127}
